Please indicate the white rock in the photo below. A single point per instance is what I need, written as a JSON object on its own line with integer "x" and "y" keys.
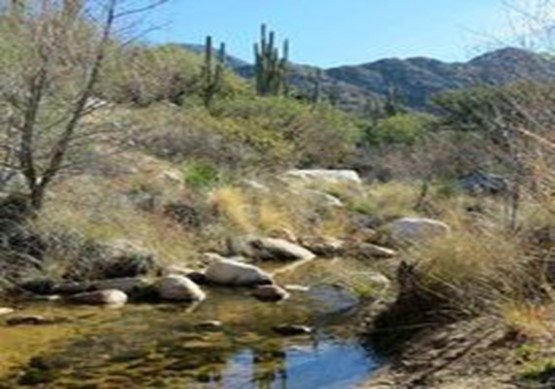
{"x": 369, "y": 250}
{"x": 324, "y": 176}
{"x": 416, "y": 229}
{"x": 179, "y": 288}
{"x": 233, "y": 273}
{"x": 6, "y": 311}
{"x": 269, "y": 249}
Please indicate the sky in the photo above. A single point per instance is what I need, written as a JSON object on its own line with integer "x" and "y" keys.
{"x": 336, "y": 32}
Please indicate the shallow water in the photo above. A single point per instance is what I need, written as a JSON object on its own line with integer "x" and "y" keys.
{"x": 161, "y": 346}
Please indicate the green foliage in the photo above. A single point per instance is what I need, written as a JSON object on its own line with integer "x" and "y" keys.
{"x": 270, "y": 67}
{"x": 400, "y": 129}
{"x": 539, "y": 370}
{"x": 200, "y": 174}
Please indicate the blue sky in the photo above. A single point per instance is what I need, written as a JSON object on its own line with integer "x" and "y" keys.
{"x": 334, "y": 32}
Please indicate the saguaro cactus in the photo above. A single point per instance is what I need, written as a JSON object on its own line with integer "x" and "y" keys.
{"x": 212, "y": 72}
{"x": 270, "y": 67}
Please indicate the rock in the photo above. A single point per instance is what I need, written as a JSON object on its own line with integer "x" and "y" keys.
{"x": 179, "y": 288}
{"x": 175, "y": 270}
{"x": 38, "y": 286}
{"x": 292, "y": 329}
{"x": 129, "y": 286}
{"x": 100, "y": 297}
{"x": 296, "y": 288}
{"x": 6, "y": 311}
{"x": 322, "y": 199}
{"x": 209, "y": 325}
{"x": 12, "y": 181}
{"x": 230, "y": 272}
{"x": 479, "y": 183}
{"x": 254, "y": 186}
{"x": 68, "y": 288}
{"x": 416, "y": 229}
{"x": 270, "y": 293}
{"x": 127, "y": 260}
{"x": 369, "y": 250}
{"x": 324, "y": 247}
{"x": 367, "y": 235}
{"x": 269, "y": 249}
{"x": 326, "y": 176}
{"x": 198, "y": 277}
{"x": 330, "y": 299}
{"x": 33, "y": 320}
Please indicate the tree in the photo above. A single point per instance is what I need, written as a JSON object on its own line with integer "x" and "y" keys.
{"x": 51, "y": 59}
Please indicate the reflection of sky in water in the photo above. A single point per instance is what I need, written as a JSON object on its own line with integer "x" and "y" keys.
{"x": 329, "y": 365}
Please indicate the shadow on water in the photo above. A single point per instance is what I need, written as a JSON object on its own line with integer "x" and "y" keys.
{"x": 163, "y": 346}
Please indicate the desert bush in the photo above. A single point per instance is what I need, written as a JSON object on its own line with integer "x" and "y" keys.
{"x": 402, "y": 128}
{"x": 143, "y": 75}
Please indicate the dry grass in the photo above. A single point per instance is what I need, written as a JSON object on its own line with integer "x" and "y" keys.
{"x": 96, "y": 209}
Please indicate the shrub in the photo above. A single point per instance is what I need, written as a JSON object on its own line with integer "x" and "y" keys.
{"x": 402, "y": 128}
{"x": 200, "y": 174}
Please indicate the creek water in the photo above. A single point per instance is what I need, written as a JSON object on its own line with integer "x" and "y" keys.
{"x": 163, "y": 346}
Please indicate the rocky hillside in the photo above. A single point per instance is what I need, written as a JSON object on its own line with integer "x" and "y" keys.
{"x": 416, "y": 79}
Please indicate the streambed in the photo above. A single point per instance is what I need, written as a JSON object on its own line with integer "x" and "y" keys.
{"x": 170, "y": 345}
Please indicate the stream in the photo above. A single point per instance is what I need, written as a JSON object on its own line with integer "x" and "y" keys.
{"x": 180, "y": 346}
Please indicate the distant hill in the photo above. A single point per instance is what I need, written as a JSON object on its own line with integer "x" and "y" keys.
{"x": 416, "y": 79}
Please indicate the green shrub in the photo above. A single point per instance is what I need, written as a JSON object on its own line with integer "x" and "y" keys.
{"x": 200, "y": 174}
{"x": 400, "y": 129}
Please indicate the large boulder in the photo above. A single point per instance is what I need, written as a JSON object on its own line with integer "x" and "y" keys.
{"x": 100, "y": 297}
{"x": 323, "y": 176}
{"x": 179, "y": 288}
{"x": 231, "y": 272}
{"x": 268, "y": 249}
{"x": 416, "y": 229}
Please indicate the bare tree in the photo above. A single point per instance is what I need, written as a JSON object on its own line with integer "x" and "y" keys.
{"x": 52, "y": 57}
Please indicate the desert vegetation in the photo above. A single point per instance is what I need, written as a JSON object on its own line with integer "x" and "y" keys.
{"x": 123, "y": 160}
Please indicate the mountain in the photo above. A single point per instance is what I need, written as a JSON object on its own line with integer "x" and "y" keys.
{"x": 416, "y": 80}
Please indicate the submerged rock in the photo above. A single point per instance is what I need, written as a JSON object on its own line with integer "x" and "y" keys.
{"x": 230, "y": 272}
{"x": 292, "y": 329}
{"x": 268, "y": 249}
{"x": 416, "y": 229}
{"x": 100, "y": 297}
{"x": 330, "y": 299}
{"x": 179, "y": 288}
{"x": 33, "y": 320}
{"x": 270, "y": 293}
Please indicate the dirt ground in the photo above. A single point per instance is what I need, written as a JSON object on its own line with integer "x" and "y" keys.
{"x": 478, "y": 353}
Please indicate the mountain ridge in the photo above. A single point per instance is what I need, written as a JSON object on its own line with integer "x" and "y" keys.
{"x": 416, "y": 79}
